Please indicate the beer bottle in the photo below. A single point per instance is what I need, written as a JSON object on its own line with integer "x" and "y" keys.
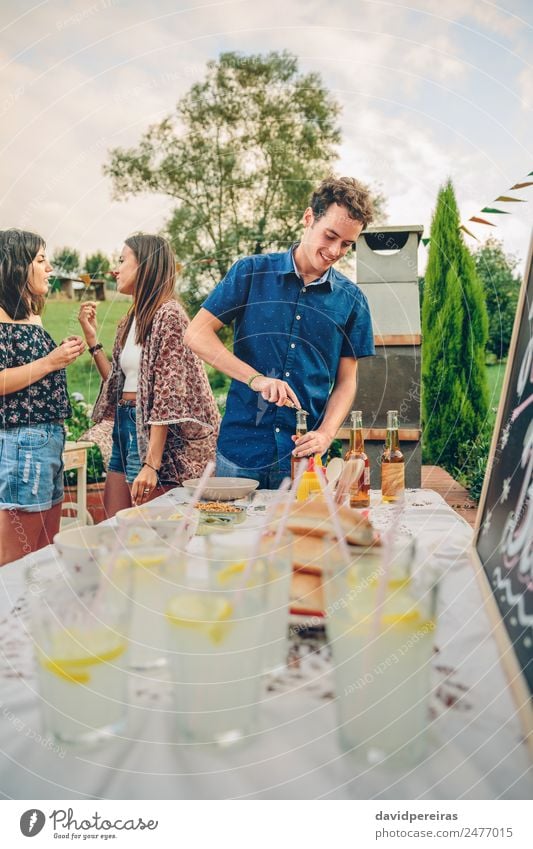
{"x": 301, "y": 430}
{"x": 392, "y": 461}
{"x": 360, "y": 489}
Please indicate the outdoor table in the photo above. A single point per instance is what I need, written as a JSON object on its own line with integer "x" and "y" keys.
{"x": 476, "y": 749}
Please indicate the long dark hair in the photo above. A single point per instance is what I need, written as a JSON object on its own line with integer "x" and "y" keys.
{"x": 156, "y": 279}
{"x": 18, "y": 249}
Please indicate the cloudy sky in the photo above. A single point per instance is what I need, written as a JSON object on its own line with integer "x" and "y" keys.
{"x": 429, "y": 89}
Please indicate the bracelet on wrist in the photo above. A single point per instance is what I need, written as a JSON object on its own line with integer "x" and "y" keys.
{"x": 252, "y": 378}
{"x": 153, "y": 468}
{"x": 95, "y": 348}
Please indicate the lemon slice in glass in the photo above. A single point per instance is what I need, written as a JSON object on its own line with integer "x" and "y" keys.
{"x": 74, "y": 652}
{"x": 231, "y": 571}
{"x": 148, "y": 560}
{"x": 207, "y": 614}
{"x": 401, "y": 611}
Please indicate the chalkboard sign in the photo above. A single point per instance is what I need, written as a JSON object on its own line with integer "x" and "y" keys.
{"x": 504, "y": 532}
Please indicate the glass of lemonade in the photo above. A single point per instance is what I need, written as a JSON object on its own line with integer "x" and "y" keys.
{"x": 228, "y": 555}
{"x": 278, "y": 590}
{"x": 215, "y": 616}
{"x": 80, "y": 641}
{"x": 381, "y": 612}
{"x": 147, "y": 634}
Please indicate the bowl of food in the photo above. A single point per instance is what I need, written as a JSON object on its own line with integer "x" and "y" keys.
{"x": 223, "y": 489}
{"x": 162, "y": 519}
{"x": 218, "y": 515}
{"x": 80, "y": 548}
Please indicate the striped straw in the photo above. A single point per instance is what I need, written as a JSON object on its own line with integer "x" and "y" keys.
{"x": 181, "y": 530}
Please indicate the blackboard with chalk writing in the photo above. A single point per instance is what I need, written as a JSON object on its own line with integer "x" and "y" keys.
{"x": 504, "y": 535}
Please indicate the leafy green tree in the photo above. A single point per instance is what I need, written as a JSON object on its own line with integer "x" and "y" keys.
{"x": 454, "y": 328}
{"x": 239, "y": 156}
{"x": 97, "y": 265}
{"x": 496, "y": 269}
{"x": 66, "y": 260}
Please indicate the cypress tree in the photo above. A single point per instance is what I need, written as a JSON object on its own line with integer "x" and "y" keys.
{"x": 454, "y": 330}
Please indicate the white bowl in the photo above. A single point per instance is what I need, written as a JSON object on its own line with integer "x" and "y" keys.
{"x": 79, "y": 547}
{"x": 223, "y": 489}
{"x": 161, "y": 519}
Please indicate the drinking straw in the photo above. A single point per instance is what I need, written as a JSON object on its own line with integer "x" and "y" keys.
{"x": 351, "y": 471}
{"x": 381, "y": 591}
{"x": 181, "y": 530}
{"x": 270, "y": 512}
{"x": 335, "y": 521}
{"x": 288, "y": 503}
{"x": 110, "y": 560}
{"x": 286, "y": 488}
{"x": 386, "y": 559}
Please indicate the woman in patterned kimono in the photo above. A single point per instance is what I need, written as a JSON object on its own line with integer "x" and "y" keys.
{"x": 33, "y": 400}
{"x": 155, "y": 389}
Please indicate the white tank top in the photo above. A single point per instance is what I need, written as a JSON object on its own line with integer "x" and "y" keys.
{"x": 130, "y": 360}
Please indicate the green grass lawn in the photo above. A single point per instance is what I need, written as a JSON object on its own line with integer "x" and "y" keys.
{"x": 495, "y": 375}
{"x": 60, "y": 320}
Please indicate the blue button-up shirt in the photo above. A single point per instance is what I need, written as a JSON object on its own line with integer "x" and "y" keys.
{"x": 286, "y": 330}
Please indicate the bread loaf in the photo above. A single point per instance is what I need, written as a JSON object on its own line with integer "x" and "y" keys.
{"x": 312, "y": 518}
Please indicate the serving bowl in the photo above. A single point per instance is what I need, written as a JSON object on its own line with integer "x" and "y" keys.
{"x": 162, "y": 519}
{"x": 80, "y": 548}
{"x": 223, "y": 489}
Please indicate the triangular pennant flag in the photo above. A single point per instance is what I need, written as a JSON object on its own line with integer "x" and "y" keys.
{"x": 499, "y": 211}
{"x": 520, "y": 185}
{"x": 530, "y": 174}
{"x": 462, "y": 227}
{"x": 481, "y": 221}
{"x": 425, "y": 242}
{"x": 506, "y": 199}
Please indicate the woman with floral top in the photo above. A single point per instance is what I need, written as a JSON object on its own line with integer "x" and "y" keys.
{"x": 155, "y": 389}
{"x": 33, "y": 400}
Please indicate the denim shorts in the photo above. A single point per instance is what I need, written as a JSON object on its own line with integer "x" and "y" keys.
{"x": 270, "y": 477}
{"x": 31, "y": 467}
{"x": 125, "y": 454}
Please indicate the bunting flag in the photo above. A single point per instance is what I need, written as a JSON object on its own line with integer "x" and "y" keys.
{"x": 462, "y": 227}
{"x": 481, "y": 221}
{"x": 492, "y": 210}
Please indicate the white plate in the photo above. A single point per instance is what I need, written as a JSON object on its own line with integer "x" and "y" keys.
{"x": 223, "y": 489}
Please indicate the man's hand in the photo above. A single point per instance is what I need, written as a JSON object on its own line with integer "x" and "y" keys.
{"x": 312, "y": 442}
{"x": 275, "y": 391}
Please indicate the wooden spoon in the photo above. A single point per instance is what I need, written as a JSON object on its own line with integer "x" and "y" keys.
{"x": 334, "y": 470}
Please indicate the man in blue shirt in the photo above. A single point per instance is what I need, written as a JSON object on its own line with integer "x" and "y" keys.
{"x": 300, "y": 327}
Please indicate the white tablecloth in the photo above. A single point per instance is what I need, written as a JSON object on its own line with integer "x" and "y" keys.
{"x": 476, "y": 750}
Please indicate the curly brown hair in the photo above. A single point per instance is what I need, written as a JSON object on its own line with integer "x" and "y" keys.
{"x": 347, "y": 192}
